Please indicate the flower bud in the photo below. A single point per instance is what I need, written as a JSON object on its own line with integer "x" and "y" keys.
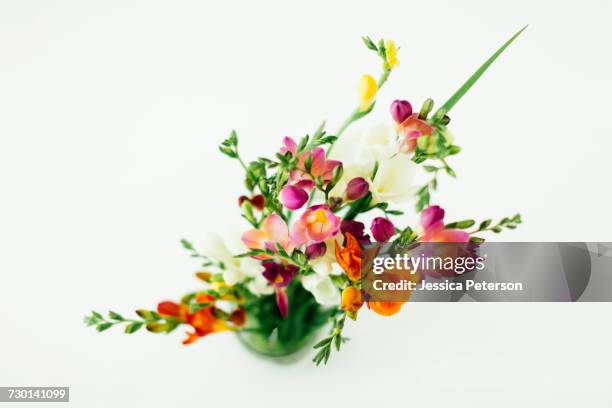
{"x": 337, "y": 173}
{"x": 316, "y": 250}
{"x": 351, "y": 301}
{"x": 293, "y": 197}
{"x": 400, "y": 110}
{"x": 334, "y": 203}
{"x": 426, "y": 108}
{"x": 432, "y": 218}
{"x": 366, "y": 89}
{"x": 382, "y": 229}
{"x": 238, "y": 317}
{"x": 357, "y": 188}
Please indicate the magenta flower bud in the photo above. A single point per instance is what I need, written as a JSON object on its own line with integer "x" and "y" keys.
{"x": 400, "y": 110}
{"x": 316, "y": 250}
{"x": 357, "y": 188}
{"x": 432, "y": 218}
{"x": 382, "y": 229}
{"x": 293, "y": 197}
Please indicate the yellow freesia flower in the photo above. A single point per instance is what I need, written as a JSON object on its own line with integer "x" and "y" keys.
{"x": 391, "y": 52}
{"x": 366, "y": 89}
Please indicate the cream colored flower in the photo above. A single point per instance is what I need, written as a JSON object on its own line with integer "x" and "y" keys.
{"x": 393, "y": 181}
{"x": 359, "y": 152}
{"x": 236, "y": 270}
{"x": 322, "y": 288}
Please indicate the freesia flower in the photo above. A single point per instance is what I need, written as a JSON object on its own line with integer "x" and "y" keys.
{"x": 366, "y": 89}
{"x": 349, "y": 257}
{"x": 273, "y": 231}
{"x": 359, "y": 152}
{"x": 280, "y": 276}
{"x": 293, "y": 197}
{"x": 320, "y": 166}
{"x": 238, "y": 317}
{"x": 223, "y": 249}
{"x": 412, "y": 128}
{"x": 257, "y": 201}
{"x": 385, "y": 308}
{"x": 400, "y": 110}
{"x": 351, "y": 301}
{"x": 391, "y": 54}
{"x": 202, "y": 321}
{"x": 393, "y": 181}
{"x": 356, "y": 229}
{"x": 357, "y": 188}
{"x": 317, "y": 224}
{"x": 326, "y": 264}
{"x": 322, "y": 288}
{"x": 432, "y": 221}
{"x": 382, "y": 229}
{"x": 315, "y": 250}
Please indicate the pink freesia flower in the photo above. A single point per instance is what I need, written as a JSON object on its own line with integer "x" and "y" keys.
{"x": 412, "y": 128}
{"x": 289, "y": 145}
{"x": 357, "y": 188}
{"x": 293, "y": 197}
{"x": 400, "y": 110}
{"x": 273, "y": 231}
{"x": 382, "y": 229}
{"x": 432, "y": 221}
{"x": 317, "y": 224}
{"x": 321, "y": 167}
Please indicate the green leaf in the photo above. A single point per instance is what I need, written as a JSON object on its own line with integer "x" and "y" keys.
{"x": 115, "y": 316}
{"x": 323, "y": 342}
{"x": 484, "y": 224}
{"x": 147, "y": 314}
{"x": 103, "y": 326}
{"x": 448, "y": 105}
{"x": 461, "y": 224}
{"x": 134, "y": 327}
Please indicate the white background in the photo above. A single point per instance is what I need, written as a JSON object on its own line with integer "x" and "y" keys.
{"x": 110, "y": 116}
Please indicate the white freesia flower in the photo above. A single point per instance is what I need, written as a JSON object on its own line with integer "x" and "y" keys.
{"x": 322, "y": 288}
{"x": 236, "y": 270}
{"x": 360, "y": 151}
{"x": 393, "y": 181}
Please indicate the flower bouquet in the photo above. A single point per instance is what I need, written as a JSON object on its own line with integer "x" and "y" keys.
{"x": 297, "y": 267}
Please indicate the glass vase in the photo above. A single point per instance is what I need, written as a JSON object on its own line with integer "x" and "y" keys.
{"x": 267, "y": 333}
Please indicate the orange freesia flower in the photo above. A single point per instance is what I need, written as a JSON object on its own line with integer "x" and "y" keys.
{"x": 349, "y": 257}
{"x": 386, "y": 308}
{"x": 203, "y": 321}
{"x": 351, "y": 301}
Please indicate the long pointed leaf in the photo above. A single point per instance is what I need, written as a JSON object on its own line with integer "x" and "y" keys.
{"x": 448, "y": 105}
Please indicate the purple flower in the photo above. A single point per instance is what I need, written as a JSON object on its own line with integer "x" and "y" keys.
{"x": 293, "y": 197}
{"x": 280, "y": 276}
{"x": 356, "y": 229}
{"x": 400, "y": 110}
{"x": 382, "y": 229}
{"x": 357, "y": 188}
{"x": 316, "y": 250}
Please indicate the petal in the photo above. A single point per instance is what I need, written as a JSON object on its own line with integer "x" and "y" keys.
{"x": 451, "y": 235}
{"x": 282, "y": 302}
{"x": 318, "y": 161}
{"x": 275, "y": 229}
{"x": 254, "y": 239}
{"x": 298, "y": 233}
